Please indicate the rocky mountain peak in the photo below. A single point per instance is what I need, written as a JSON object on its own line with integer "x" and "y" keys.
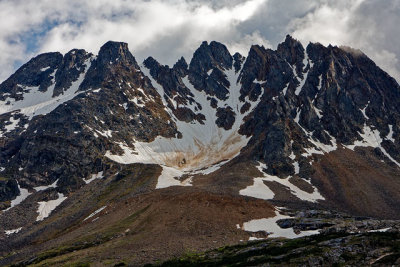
{"x": 72, "y": 66}
{"x": 38, "y": 72}
{"x": 181, "y": 66}
{"x": 238, "y": 61}
{"x": 114, "y": 59}
{"x": 209, "y": 56}
{"x": 116, "y": 53}
{"x": 293, "y": 52}
{"x": 207, "y": 66}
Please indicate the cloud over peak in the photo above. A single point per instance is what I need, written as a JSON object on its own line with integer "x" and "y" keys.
{"x": 168, "y": 29}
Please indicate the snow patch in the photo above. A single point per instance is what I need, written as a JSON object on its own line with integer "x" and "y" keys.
{"x": 284, "y": 91}
{"x": 363, "y": 111}
{"x": 95, "y": 176}
{"x": 14, "y": 231}
{"x": 380, "y": 230}
{"x": 271, "y": 227}
{"x": 44, "y": 69}
{"x": 305, "y": 75}
{"x": 319, "y": 148}
{"x": 317, "y": 111}
{"x": 258, "y": 82}
{"x": 42, "y": 188}
{"x": 320, "y": 82}
{"x": 202, "y": 145}
{"x": 13, "y": 124}
{"x": 169, "y": 177}
{"x": 46, "y": 207}
{"x": 107, "y": 133}
{"x": 35, "y": 102}
{"x": 390, "y": 134}
{"x": 262, "y": 191}
{"x": 297, "y": 118}
{"x": 258, "y": 190}
{"x": 95, "y": 213}
{"x": 296, "y": 167}
{"x": 371, "y": 138}
{"x": 211, "y": 169}
{"x": 23, "y": 194}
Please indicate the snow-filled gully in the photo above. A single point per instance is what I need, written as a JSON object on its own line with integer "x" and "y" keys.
{"x": 203, "y": 146}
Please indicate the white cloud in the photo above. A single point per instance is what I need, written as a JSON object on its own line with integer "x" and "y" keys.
{"x": 167, "y": 29}
{"x": 354, "y": 23}
{"x": 147, "y": 25}
{"x": 243, "y": 45}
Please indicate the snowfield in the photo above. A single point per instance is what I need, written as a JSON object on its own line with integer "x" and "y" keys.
{"x": 260, "y": 190}
{"x": 201, "y": 146}
{"x": 271, "y": 227}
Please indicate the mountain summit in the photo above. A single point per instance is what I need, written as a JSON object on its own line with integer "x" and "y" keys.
{"x": 95, "y": 150}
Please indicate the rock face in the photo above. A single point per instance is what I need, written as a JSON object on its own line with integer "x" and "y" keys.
{"x": 67, "y": 117}
{"x": 8, "y": 189}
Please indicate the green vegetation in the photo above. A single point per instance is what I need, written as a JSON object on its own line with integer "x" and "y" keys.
{"x": 2, "y": 178}
{"x": 92, "y": 240}
{"x": 298, "y": 251}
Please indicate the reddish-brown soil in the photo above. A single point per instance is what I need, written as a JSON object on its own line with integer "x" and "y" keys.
{"x": 359, "y": 183}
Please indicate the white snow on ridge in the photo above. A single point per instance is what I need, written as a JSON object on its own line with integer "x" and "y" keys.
{"x": 363, "y": 111}
{"x": 273, "y": 229}
{"x": 320, "y": 82}
{"x": 380, "y": 230}
{"x": 305, "y": 75}
{"x": 297, "y": 118}
{"x": 210, "y": 169}
{"x": 10, "y": 127}
{"x": 284, "y": 91}
{"x": 258, "y": 190}
{"x": 296, "y": 167}
{"x": 258, "y": 82}
{"x": 14, "y": 231}
{"x": 24, "y": 193}
{"x": 95, "y": 176}
{"x": 46, "y": 207}
{"x": 319, "y": 148}
{"x": 44, "y": 69}
{"x": 317, "y": 111}
{"x": 169, "y": 177}
{"x": 371, "y": 138}
{"x": 95, "y": 213}
{"x": 262, "y": 191}
{"x": 390, "y": 134}
{"x": 13, "y": 124}
{"x": 36, "y": 102}
{"x": 202, "y": 145}
{"x": 45, "y": 187}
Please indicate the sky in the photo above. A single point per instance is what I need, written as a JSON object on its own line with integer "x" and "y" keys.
{"x": 169, "y": 29}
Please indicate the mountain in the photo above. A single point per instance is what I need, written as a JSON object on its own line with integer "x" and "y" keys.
{"x": 104, "y": 159}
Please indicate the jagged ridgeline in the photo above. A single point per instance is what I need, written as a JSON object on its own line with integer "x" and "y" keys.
{"x": 300, "y": 127}
{"x": 67, "y": 117}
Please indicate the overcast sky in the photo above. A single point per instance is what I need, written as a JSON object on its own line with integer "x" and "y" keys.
{"x": 168, "y": 29}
